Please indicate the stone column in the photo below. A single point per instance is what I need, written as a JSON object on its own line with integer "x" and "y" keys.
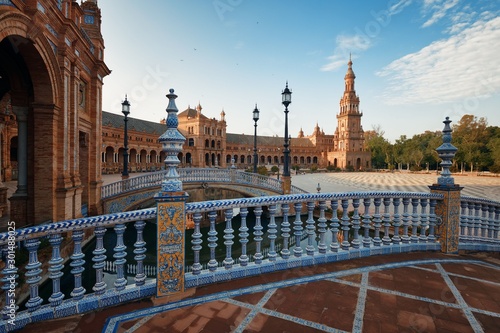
{"x": 448, "y": 210}
{"x": 171, "y": 216}
{"x": 19, "y": 200}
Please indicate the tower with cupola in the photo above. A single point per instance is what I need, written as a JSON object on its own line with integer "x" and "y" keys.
{"x": 349, "y": 151}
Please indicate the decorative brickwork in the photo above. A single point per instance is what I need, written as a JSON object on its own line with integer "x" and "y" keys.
{"x": 51, "y": 72}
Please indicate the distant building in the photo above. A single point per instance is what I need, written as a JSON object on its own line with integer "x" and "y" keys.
{"x": 208, "y": 145}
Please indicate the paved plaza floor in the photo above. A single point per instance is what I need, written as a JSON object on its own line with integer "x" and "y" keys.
{"x": 487, "y": 187}
{"x": 414, "y": 292}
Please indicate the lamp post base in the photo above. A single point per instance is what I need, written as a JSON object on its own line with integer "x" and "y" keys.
{"x": 286, "y": 184}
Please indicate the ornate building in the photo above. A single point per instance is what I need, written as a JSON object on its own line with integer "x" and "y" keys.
{"x": 349, "y": 151}
{"x": 208, "y": 144}
{"x": 51, "y": 72}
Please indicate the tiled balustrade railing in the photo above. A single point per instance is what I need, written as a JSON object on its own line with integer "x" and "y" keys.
{"x": 368, "y": 223}
{"x": 479, "y": 222}
{"x": 195, "y": 175}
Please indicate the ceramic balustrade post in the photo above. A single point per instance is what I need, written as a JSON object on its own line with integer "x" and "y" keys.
{"x": 355, "y": 223}
{"x": 396, "y": 239}
{"x": 212, "y": 241}
{"x": 406, "y": 221}
{"x": 386, "y": 240}
{"x": 297, "y": 230}
{"x": 367, "y": 241}
{"x": 463, "y": 221}
{"x": 497, "y": 222}
{"x": 334, "y": 226}
{"x": 470, "y": 219}
{"x": 55, "y": 267}
{"x": 484, "y": 220}
{"x": 243, "y": 236}
{"x": 257, "y": 235}
{"x": 491, "y": 221}
{"x": 120, "y": 257}
{"x": 477, "y": 219}
{"x": 77, "y": 262}
{"x": 228, "y": 238}
{"x": 345, "y": 224}
{"x": 377, "y": 221}
{"x": 414, "y": 220}
{"x": 432, "y": 220}
{"x": 272, "y": 230}
{"x": 322, "y": 227}
{"x": 98, "y": 259}
{"x": 285, "y": 231}
{"x": 33, "y": 273}
{"x": 310, "y": 229}
{"x": 139, "y": 253}
{"x": 196, "y": 241}
{"x": 423, "y": 220}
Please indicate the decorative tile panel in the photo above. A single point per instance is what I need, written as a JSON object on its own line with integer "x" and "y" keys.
{"x": 171, "y": 224}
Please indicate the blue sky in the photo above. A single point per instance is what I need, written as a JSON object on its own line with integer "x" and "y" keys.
{"x": 416, "y": 62}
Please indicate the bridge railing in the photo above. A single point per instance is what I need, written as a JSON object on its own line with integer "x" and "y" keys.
{"x": 300, "y": 230}
{"x": 195, "y": 175}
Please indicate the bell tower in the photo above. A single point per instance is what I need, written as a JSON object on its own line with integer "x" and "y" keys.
{"x": 349, "y": 149}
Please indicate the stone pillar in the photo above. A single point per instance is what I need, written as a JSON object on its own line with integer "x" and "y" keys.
{"x": 448, "y": 231}
{"x": 171, "y": 216}
{"x": 19, "y": 200}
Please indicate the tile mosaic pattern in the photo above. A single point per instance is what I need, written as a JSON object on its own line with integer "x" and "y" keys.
{"x": 264, "y": 293}
{"x": 170, "y": 248}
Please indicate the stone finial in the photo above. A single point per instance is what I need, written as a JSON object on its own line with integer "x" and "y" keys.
{"x": 172, "y": 141}
{"x": 446, "y": 152}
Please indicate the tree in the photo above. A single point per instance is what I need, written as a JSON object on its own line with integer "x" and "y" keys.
{"x": 378, "y": 146}
{"x": 470, "y": 136}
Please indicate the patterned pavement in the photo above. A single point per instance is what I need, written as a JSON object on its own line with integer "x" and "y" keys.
{"x": 412, "y": 292}
{"x": 487, "y": 187}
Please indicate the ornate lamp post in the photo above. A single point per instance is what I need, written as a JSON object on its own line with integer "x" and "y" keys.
{"x": 255, "y": 119}
{"x": 125, "y": 111}
{"x": 286, "y": 96}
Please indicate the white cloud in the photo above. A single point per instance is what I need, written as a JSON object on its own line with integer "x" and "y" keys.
{"x": 363, "y": 38}
{"x": 438, "y": 8}
{"x": 461, "y": 66}
{"x": 345, "y": 45}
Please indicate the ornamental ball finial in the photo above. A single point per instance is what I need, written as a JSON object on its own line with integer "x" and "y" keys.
{"x": 171, "y": 90}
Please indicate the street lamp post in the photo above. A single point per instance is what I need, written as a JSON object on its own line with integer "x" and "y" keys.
{"x": 125, "y": 111}
{"x": 286, "y": 96}
{"x": 255, "y": 119}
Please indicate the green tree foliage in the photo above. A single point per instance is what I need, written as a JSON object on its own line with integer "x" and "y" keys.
{"x": 478, "y": 147}
{"x": 379, "y": 147}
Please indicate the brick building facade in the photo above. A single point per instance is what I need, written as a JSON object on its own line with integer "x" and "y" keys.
{"x": 209, "y": 145}
{"x": 51, "y": 72}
